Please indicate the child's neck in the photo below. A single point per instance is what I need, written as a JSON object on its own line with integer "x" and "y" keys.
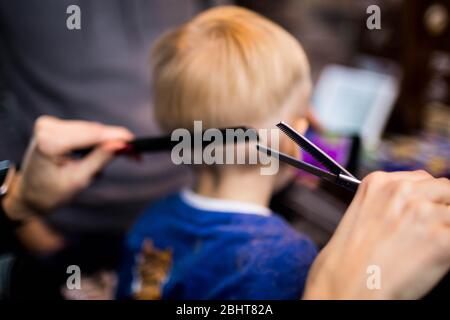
{"x": 237, "y": 184}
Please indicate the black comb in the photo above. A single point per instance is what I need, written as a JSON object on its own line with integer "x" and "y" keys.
{"x": 161, "y": 143}
{"x": 315, "y": 152}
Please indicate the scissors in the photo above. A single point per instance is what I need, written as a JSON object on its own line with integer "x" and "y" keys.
{"x": 336, "y": 174}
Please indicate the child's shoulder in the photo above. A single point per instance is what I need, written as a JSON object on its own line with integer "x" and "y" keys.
{"x": 275, "y": 226}
{"x": 168, "y": 202}
{"x": 156, "y": 211}
{"x": 282, "y": 255}
{"x": 288, "y": 231}
{"x": 163, "y": 203}
{"x": 274, "y": 234}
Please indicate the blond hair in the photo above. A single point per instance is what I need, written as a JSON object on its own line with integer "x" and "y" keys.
{"x": 227, "y": 67}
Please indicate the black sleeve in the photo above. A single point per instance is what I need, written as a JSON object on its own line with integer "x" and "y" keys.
{"x": 23, "y": 276}
{"x": 8, "y": 241}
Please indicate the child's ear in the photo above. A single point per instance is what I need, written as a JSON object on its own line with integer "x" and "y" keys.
{"x": 300, "y": 125}
{"x": 287, "y": 145}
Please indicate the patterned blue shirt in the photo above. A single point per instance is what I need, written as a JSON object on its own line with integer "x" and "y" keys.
{"x": 220, "y": 252}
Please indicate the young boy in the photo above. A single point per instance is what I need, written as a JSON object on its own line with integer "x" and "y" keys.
{"x": 227, "y": 67}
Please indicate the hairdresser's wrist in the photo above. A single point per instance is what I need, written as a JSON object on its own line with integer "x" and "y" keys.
{"x": 16, "y": 208}
{"x": 333, "y": 278}
{"x": 353, "y": 291}
{"x": 326, "y": 292}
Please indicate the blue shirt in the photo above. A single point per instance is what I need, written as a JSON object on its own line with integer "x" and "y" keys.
{"x": 219, "y": 254}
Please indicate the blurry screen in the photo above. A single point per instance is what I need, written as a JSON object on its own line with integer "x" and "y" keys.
{"x": 337, "y": 147}
{"x": 351, "y": 101}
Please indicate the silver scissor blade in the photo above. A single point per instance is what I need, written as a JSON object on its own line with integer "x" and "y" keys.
{"x": 341, "y": 180}
{"x": 298, "y": 163}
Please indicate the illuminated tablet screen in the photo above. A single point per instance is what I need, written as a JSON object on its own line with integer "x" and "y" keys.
{"x": 349, "y": 101}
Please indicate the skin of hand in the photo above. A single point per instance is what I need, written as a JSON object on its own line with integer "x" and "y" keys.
{"x": 48, "y": 176}
{"x": 398, "y": 222}
{"x": 100, "y": 286}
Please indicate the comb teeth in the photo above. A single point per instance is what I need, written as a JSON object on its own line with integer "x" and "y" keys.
{"x": 317, "y": 155}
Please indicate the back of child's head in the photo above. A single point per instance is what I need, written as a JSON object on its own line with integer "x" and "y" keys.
{"x": 226, "y": 67}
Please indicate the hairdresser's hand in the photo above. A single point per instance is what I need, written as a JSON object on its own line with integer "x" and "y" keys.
{"x": 48, "y": 176}
{"x": 399, "y": 223}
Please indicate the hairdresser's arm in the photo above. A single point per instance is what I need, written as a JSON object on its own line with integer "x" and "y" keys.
{"x": 399, "y": 223}
{"x": 49, "y": 178}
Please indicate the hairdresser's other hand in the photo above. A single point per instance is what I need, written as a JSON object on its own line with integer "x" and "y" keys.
{"x": 397, "y": 229}
{"x": 48, "y": 176}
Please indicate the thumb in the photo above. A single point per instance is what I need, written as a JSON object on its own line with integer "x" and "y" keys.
{"x": 97, "y": 159}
